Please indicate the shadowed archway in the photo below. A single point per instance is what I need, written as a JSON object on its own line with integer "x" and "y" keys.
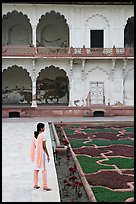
{"x": 16, "y": 86}
{"x": 52, "y": 86}
{"x": 129, "y": 33}
{"x": 16, "y": 29}
{"x": 52, "y": 30}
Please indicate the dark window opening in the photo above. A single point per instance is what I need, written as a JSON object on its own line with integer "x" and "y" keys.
{"x": 96, "y": 38}
{"x": 14, "y": 115}
{"x": 98, "y": 114}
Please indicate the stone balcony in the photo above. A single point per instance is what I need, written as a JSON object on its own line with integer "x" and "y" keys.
{"x": 59, "y": 52}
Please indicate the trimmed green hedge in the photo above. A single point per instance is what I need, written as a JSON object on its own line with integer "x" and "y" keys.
{"x": 106, "y": 195}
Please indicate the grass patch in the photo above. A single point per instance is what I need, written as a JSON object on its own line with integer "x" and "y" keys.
{"x": 76, "y": 143}
{"x": 105, "y": 195}
{"x": 89, "y": 165}
{"x": 121, "y": 163}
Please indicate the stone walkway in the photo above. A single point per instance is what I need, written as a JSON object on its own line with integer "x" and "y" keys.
{"x": 17, "y": 171}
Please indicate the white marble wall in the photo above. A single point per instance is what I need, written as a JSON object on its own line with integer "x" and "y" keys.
{"x": 118, "y": 81}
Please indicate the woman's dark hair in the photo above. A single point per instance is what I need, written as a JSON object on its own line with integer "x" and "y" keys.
{"x": 39, "y": 126}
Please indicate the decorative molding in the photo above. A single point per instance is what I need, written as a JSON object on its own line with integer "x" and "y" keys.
{"x": 99, "y": 15}
{"x": 101, "y": 70}
{"x": 17, "y": 12}
{"x": 6, "y": 68}
{"x": 55, "y": 12}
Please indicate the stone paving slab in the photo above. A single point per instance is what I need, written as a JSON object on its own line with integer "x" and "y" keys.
{"x": 17, "y": 171}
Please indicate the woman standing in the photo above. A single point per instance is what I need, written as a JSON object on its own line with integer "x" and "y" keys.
{"x": 38, "y": 151}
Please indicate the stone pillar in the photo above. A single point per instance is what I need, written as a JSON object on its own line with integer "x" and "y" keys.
{"x": 34, "y": 86}
{"x": 70, "y": 82}
{"x": 123, "y": 77}
{"x": 34, "y": 35}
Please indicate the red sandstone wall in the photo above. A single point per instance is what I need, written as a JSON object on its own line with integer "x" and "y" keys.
{"x": 68, "y": 111}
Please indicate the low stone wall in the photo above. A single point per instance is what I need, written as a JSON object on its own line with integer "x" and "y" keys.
{"x": 57, "y": 111}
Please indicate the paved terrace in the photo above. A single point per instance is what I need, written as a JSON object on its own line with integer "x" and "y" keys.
{"x": 17, "y": 171}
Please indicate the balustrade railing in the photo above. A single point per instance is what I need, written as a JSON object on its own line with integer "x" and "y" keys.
{"x": 66, "y": 52}
{"x": 17, "y": 51}
{"x": 53, "y": 51}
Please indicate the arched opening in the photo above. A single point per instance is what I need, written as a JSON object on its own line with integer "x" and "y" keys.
{"x": 16, "y": 86}
{"x": 16, "y": 29}
{"x": 52, "y": 86}
{"x": 14, "y": 114}
{"x": 98, "y": 114}
{"x": 52, "y": 31}
{"x": 129, "y": 33}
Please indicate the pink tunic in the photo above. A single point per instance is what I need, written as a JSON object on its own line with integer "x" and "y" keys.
{"x": 37, "y": 152}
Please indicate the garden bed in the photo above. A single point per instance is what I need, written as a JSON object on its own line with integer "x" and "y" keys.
{"x": 106, "y": 157}
{"x": 70, "y": 185}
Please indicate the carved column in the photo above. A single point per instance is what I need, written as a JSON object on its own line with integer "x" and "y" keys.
{"x": 70, "y": 82}
{"x": 34, "y": 86}
{"x": 34, "y": 35}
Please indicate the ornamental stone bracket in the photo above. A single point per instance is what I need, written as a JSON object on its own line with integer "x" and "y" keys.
{"x": 124, "y": 68}
{"x": 113, "y": 68}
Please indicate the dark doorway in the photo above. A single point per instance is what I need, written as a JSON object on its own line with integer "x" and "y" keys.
{"x": 98, "y": 114}
{"x": 96, "y": 38}
{"x": 14, "y": 115}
